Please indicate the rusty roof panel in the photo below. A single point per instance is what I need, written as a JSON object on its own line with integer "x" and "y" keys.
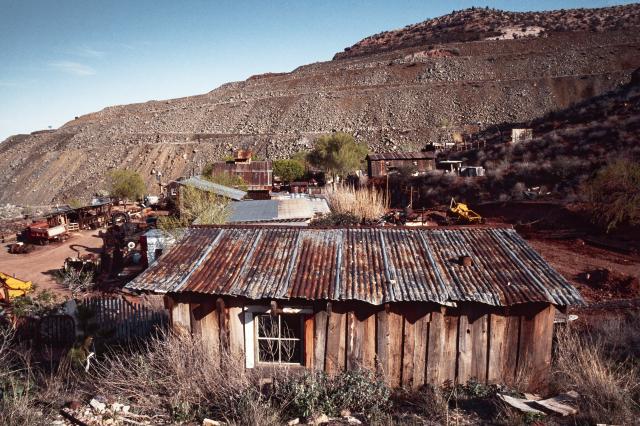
{"x": 375, "y": 265}
{"x": 418, "y": 155}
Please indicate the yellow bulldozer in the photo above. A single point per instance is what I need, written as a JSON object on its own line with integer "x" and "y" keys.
{"x": 11, "y": 287}
{"x": 461, "y": 213}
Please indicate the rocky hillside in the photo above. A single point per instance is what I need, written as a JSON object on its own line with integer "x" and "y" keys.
{"x": 486, "y": 24}
{"x": 394, "y": 97}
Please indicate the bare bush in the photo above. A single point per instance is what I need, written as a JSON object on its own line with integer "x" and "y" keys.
{"x": 177, "y": 373}
{"x": 366, "y": 204}
{"x": 604, "y": 373}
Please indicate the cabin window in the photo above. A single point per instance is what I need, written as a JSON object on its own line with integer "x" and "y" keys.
{"x": 279, "y": 338}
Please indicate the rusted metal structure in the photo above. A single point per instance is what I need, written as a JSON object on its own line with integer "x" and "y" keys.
{"x": 420, "y": 162}
{"x": 258, "y": 175}
{"x": 86, "y": 217}
{"x": 424, "y": 305}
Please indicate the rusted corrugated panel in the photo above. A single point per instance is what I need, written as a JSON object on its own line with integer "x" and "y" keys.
{"x": 375, "y": 265}
{"x": 258, "y": 175}
{"x": 418, "y": 155}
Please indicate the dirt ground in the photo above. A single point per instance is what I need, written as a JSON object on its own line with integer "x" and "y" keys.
{"x": 39, "y": 265}
{"x": 583, "y": 265}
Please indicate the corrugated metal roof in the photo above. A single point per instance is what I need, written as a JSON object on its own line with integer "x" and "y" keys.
{"x": 205, "y": 185}
{"x": 375, "y": 265}
{"x": 418, "y": 155}
{"x": 286, "y": 209}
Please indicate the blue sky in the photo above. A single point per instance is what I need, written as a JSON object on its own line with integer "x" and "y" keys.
{"x": 64, "y": 58}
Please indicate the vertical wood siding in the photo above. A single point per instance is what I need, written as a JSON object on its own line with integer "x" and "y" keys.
{"x": 411, "y": 344}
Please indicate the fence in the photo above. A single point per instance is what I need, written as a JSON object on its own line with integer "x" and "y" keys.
{"x": 115, "y": 319}
{"x": 108, "y": 319}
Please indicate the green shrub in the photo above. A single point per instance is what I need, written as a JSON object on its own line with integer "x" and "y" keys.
{"x": 126, "y": 185}
{"x": 288, "y": 170}
{"x": 614, "y": 194}
{"x": 315, "y": 392}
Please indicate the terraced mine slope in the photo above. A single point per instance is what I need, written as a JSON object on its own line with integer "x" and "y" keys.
{"x": 394, "y": 95}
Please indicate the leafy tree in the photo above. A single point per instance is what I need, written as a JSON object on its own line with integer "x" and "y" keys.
{"x": 614, "y": 194}
{"x": 288, "y": 170}
{"x": 126, "y": 185}
{"x": 337, "y": 154}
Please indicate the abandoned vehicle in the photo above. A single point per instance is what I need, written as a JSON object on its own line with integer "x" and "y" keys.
{"x": 380, "y": 165}
{"x": 422, "y": 305}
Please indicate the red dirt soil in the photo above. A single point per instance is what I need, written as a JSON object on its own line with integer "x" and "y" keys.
{"x": 39, "y": 265}
{"x": 599, "y": 274}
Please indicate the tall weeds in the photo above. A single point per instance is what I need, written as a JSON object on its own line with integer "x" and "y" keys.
{"x": 366, "y": 204}
{"x": 605, "y": 374}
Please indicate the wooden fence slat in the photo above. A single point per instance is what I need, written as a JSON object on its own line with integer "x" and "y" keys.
{"x": 361, "y": 341}
{"x": 534, "y": 352}
{"x": 436, "y": 343}
{"x": 308, "y": 341}
{"x": 415, "y": 377}
{"x": 320, "y": 339}
{"x": 465, "y": 346}
{"x": 236, "y": 331}
{"x": 335, "y": 357}
{"x": 448, "y": 364}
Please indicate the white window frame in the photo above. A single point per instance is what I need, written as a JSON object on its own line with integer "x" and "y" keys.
{"x": 251, "y": 331}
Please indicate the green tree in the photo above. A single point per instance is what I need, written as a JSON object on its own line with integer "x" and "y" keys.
{"x": 126, "y": 185}
{"x": 337, "y": 154}
{"x": 288, "y": 170}
{"x": 614, "y": 194}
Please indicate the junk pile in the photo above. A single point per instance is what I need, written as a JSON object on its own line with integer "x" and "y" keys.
{"x": 101, "y": 411}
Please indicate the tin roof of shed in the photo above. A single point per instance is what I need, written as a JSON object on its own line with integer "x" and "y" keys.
{"x": 206, "y": 185}
{"x": 417, "y": 155}
{"x": 375, "y": 265}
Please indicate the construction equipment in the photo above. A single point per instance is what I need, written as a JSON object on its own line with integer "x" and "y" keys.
{"x": 11, "y": 287}
{"x": 462, "y": 213}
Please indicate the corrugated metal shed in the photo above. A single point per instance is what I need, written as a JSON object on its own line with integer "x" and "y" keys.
{"x": 205, "y": 185}
{"x": 277, "y": 210}
{"x": 418, "y": 155}
{"x": 375, "y": 265}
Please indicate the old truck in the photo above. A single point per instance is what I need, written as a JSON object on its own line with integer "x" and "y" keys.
{"x": 41, "y": 233}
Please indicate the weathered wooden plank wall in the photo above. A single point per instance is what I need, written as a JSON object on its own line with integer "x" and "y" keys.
{"x": 411, "y": 344}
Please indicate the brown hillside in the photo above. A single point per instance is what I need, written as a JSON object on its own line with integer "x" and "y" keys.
{"x": 395, "y": 100}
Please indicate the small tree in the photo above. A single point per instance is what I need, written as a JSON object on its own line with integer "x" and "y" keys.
{"x": 337, "y": 154}
{"x": 288, "y": 170}
{"x": 614, "y": 194}
{"x": 126, "y": 185}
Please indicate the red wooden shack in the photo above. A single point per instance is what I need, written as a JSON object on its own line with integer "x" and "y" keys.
{"x": 421, "y": 305}
{"x": 383, "y": 164}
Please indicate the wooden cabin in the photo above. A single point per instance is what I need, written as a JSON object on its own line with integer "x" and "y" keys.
{"x": 380, "y": 165}
{"x": 421, "y": 305}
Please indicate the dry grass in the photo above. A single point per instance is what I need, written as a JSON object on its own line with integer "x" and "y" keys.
{"x": 177, "y": 375}
{"x": 28, "y": 394}
{"x": 366, "y": 204}
{"x": 597, "y": 363}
